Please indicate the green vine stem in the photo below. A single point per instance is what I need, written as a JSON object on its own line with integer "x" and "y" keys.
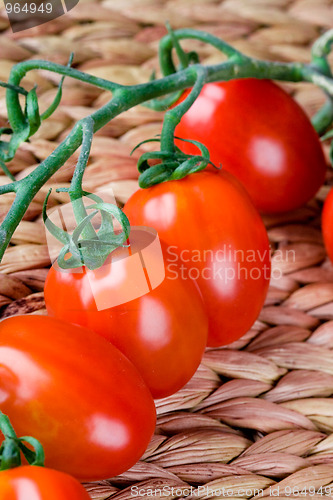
{"x": 25, "y": 122}
{"x": 75, "y": 190}
{"x": 174, "y": 115}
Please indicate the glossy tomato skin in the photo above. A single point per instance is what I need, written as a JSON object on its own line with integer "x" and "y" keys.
{"x": 76, "y": 393}
{"x": 260, "y": 135}
{"x": 327, "y": 224}
{"x": 163, "y": 332}
{"x": 39, "y": 483}
{"x": 208, "y": 220}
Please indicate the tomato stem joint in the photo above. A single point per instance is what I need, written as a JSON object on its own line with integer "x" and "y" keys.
{"x": 159, "y": 94}
{"x": 87, "y": 245}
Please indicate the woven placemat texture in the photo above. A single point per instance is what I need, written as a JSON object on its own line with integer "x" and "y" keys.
{"x": 258, "y": 414}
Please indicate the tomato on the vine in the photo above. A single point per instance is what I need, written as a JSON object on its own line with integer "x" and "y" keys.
{"x": 217, "y": 236}
{"x": 327, "y": 224}
{"x": 31, "y": 482}
{"x": 262, "y": 136}
{"x": 163, "y": 332}
{"x": 76, "y": 393}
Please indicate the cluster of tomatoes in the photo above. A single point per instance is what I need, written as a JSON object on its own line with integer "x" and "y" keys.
{"x": 82, "y": 380}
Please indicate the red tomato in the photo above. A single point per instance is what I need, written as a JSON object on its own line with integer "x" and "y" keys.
{"x": 75, "y": 393}
{"x": 262, "y": 136}
{"x": 218, "y": 237}
{"x": 163, "y": 332}
{"x": 327, "y": 224}
{"x": 38, "y": 483}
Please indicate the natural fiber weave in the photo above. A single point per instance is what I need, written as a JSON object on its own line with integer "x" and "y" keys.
{"x": 258, "y": 413}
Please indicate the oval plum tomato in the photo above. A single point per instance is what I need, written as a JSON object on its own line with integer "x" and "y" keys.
{"x": 260, "y": 135}
{"x": 163, "y": 332}
{"x": 327, "y": 224}
{"x": 39, "y": 483}
{"x": 76, "y": 393}
{"x": 218, "y": 239}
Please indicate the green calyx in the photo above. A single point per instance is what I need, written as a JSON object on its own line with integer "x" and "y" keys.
{"x": 88, "y": 244}
{"x": 13, "y": 447}
{"x": 172, "y": 165}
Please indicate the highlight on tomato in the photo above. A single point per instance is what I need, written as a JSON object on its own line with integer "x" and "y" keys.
{"x": 32, "y": 482}
{"x": 217, "y": 238}
{"x": 327, "y": 224}
{"x": 163, "y": 332}
{"x": 76, "y": 393}
{"x": 261, "y": 135}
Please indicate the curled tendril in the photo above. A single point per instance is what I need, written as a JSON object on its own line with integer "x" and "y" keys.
{"x": 183, "y": 56}
{"x": 24, "y": 120}
{"x": 31, "y": 122}
{"x": 185, "y": 60}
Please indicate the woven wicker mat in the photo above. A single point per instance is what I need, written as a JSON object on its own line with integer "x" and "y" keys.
{"x": 258, "y": 414}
